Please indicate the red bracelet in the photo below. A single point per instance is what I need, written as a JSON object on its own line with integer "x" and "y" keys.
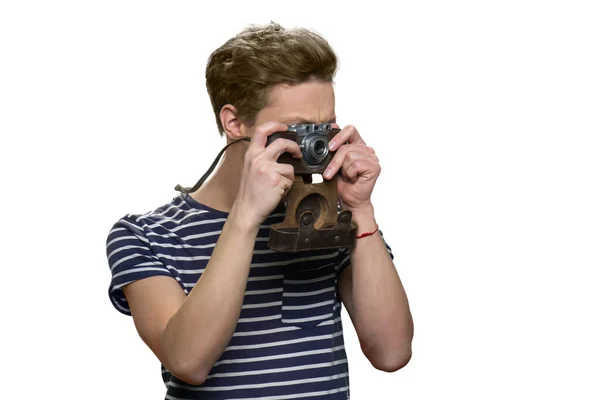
{"x": 368, "y": 233}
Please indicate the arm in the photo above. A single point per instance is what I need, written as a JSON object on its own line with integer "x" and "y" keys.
{"x": 374, "y": 297}
{"x": 189, "y": 334}
{"x": 371, "y": 288}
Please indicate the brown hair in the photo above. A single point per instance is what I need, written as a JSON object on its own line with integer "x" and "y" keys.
{"x": 242, "y": 71}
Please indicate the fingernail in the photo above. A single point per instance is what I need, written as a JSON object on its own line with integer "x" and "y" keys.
{"x": 331, "y": 145}
{"x": 327, "y": 173}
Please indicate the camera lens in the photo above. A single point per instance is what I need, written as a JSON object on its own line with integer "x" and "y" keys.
{"x": 315, "y": 149}
{"x": 319, "y": 147}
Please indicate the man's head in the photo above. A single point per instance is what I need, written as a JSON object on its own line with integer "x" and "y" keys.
{"x": 269, "y": 73}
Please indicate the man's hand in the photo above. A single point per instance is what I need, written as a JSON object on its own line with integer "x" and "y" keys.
{"x": 359, "y": 167}
{"x": 264, "y": 181}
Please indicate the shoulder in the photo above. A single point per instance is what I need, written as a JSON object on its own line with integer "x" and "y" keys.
{"x": 131, "y": 248}
{"x": 178, "y": 211}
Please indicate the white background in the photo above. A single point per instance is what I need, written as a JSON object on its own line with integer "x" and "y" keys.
{"x": 485, "y": 116}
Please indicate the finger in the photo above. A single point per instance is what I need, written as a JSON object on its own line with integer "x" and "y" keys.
{"x": 259, "y": 138}
{"x": 285, "y": 185}
{"x": 280, "y": 177}
{"x": 285, "y": 170}
{"x": 361, "y": 167}
{"x": 352, "y": 173}
{"x": 280, "y": 146}
{"x": 353, "y": 156}
{"x": 338, "y": 159}
{"x": 347, "y": 135}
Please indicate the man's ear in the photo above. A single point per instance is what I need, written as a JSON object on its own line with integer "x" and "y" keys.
{"x": 232, "y": 125}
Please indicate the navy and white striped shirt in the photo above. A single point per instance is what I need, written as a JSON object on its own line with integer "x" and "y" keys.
{"x": 288, "y": 343}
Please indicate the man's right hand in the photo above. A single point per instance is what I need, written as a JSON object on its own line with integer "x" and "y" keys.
{"x": 264, "y": 181}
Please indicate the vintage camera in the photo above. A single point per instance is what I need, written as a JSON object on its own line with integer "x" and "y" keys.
{"x": 313, "y": 218}
{"x": 313, "y": 140}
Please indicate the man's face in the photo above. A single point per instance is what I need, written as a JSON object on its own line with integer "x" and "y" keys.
{"x": 309, "y": 102}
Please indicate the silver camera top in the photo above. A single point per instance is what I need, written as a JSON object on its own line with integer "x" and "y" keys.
{"x": 305, "y": 129}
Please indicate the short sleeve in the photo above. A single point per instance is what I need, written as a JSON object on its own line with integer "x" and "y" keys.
{"x": 130, "y": 259}
{"x": 345, "y": 257}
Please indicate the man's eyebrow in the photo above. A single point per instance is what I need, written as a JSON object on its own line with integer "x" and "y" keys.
{"x": 303, "y": 120}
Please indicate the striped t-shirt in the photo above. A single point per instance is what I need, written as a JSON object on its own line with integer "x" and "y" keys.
{"x": 288, "y": 343}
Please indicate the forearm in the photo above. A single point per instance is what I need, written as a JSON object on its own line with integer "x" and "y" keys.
{"x": 381, "y": 312}
{"x": 199, "y": 332}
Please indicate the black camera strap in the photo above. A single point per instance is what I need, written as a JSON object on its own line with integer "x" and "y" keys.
{"x": 188, "y": 190}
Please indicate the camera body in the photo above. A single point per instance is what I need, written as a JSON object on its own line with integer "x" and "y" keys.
{"x": 313, "y": 140}
{"x": 313, "y": 219}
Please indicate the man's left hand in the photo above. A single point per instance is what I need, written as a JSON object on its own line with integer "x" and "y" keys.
{"x": 358, "y": 166}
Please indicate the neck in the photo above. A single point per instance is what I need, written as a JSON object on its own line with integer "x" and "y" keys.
{"x": 220, "y": 190}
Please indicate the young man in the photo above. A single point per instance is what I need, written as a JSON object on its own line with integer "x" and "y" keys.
{"x": 227, "y": 317}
